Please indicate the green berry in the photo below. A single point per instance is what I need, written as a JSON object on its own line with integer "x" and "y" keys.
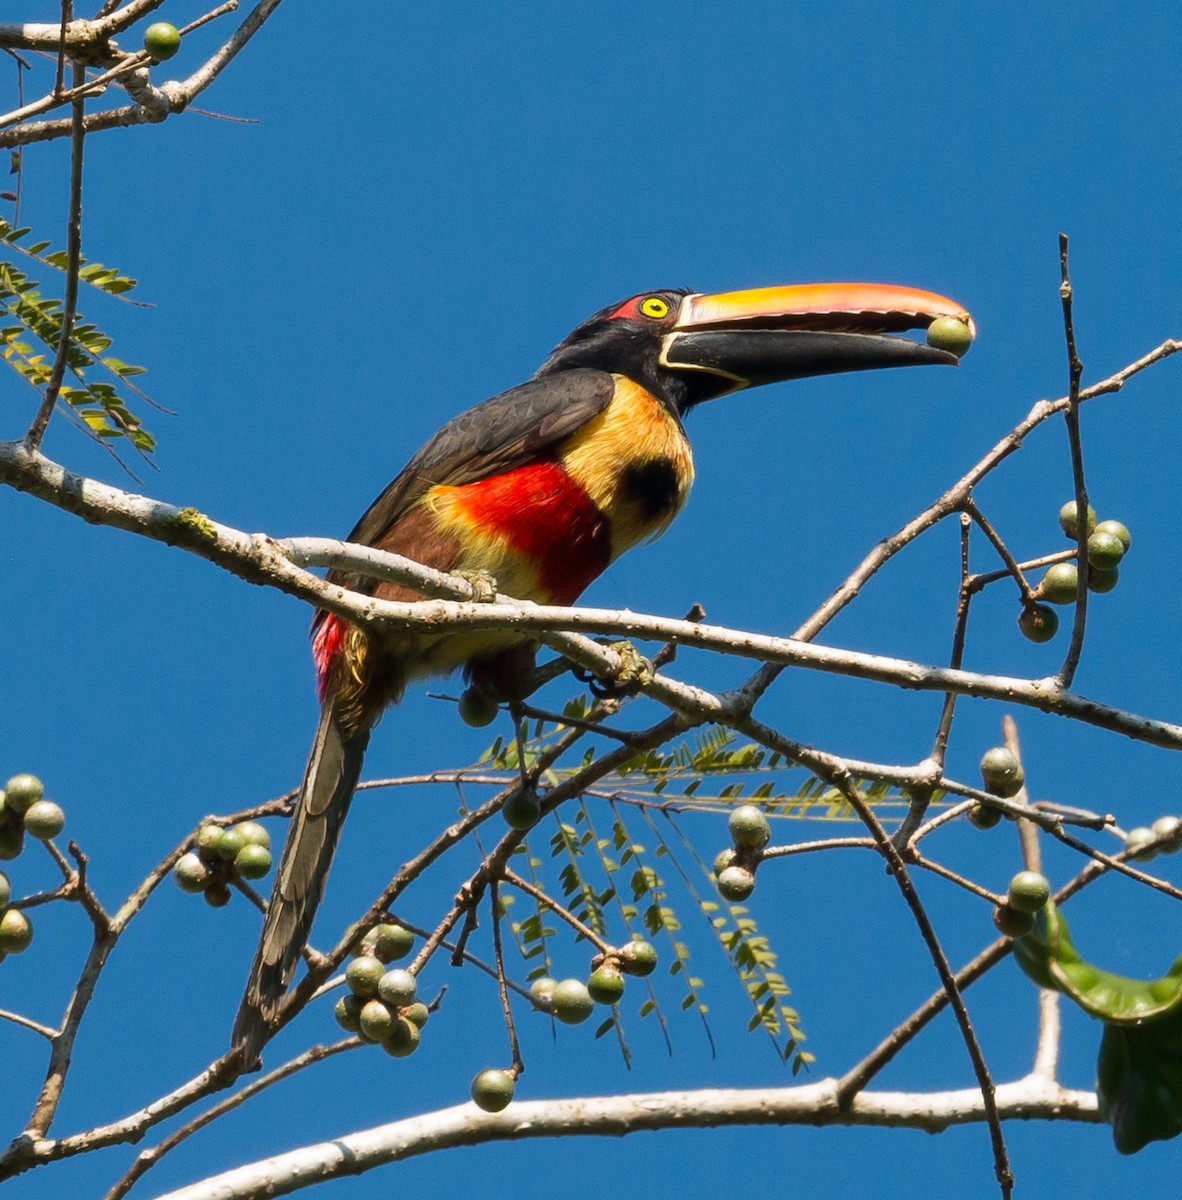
{"x": 1038, "y": 622}
{"x": 492, "y": 1090}
{"x": 523, "y": 810}
{"x": 253, "y": 861}
{"x": 476, "y": 709}
{"x": 207, "y": 840}
{"x": 348, "y": 1013}
{"x": 1001, "y": 772}
{"x": 1012, "y": 921}
{"x": 397, "y": 987}
{"x": 230, "y": 844}
{"x": 542, "y": 993}
{"x": 606, "y": 985}
{"x": 363, "y": 976}
{"x": 748, "y": 827}
{"x": 217, "y": 895}
{"x": 1069, "y": 520}
{"x": 5, "y": 890}
{"x": 1105, "y": 550}
{"x": 638, "y": 958}
{"x": 191, "y": 874}
{"x": 736, "y": 883}
{"x": 16, "y": 931}
{"x": 572, "y": 1001}
{"x": 1117, "y": 530}
{"x": 12, "y": 840}
{"x": 984, "y": 816}
{"x": 162, "y": 40}
{"x": 1135, "y": 839}
{"x": 722, "y": 860}
{"x": 950, "y": 334}
{"x": 389, "y": 942}
{"x": 44, "y": 820}
{"x": 1059, "y": 584}
{"x": 1102, "y": 581}
{"x": 417, "y": 1013}
{"x": 21, "y": 791}
{"x": 1164, "y": 827}
{"x": 403, "y": 1039}
{"x": 1028, "y": 892}
{"x": 255, "y": 834}
{"x": 376, "y": 1022}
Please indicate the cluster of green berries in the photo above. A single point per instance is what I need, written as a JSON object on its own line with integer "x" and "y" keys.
{"x": 1026, "y": 897}
{"x": 1146, "y": 842}
{"x": 24, "y": 809}
{"x": 162, "y": 40}
{"x": 572, "y": 1001}
{"x": 734, "y": 868}
{"x": 382, "y": 1006}
{"x": 1107, "y": 543}
{"x": 1001, "y": 775}
{"x": 220, "y": 853}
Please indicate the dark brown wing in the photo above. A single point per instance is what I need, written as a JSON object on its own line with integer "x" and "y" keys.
{"x": 497, "y": 435}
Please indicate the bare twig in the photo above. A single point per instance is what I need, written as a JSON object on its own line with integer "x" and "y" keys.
{"x": 502, "y": 987}
{"x": 1075, "y": 443}
{"x": 150, "y": 1157}
{"x": 73, "y": 261}
{"x": 564, "y": 914}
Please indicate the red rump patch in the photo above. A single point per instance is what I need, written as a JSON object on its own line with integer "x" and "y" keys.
{"x": 327, "y": 643}
{"x": 548, "y": 520}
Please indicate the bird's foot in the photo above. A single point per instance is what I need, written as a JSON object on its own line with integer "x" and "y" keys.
{"x": 634, "y": 675}
{"x": 484, "y": 586}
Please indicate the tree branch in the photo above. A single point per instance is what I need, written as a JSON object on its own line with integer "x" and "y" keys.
{"x": 712, "y": 1108}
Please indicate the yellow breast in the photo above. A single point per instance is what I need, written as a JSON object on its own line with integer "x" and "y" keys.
{"x": 634, "y": 462}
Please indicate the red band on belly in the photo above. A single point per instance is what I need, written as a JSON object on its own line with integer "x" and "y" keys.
{"x": 547, "y": 519}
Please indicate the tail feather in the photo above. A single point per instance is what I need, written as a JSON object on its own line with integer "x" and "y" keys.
{"x": 334, "y": 767}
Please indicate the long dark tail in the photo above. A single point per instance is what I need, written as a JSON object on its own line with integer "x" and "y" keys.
{"x": 334, "y": 767}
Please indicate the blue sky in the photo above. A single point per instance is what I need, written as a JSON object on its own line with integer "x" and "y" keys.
{"x": 430, "y": 199}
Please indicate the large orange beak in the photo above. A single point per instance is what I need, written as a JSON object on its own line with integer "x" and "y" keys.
{"x": 764, "y": 335}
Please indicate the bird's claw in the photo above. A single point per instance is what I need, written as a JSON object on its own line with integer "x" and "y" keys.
{"x": 634, "y": 675}
{"x": 484, "y": 586}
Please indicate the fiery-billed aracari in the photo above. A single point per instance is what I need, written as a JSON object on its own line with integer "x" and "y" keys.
{"x": 542, "y": 487}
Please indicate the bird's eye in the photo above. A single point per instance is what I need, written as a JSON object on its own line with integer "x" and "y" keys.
{"x": 654, "y": 307}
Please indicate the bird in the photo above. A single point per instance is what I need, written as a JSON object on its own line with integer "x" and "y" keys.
{"x": 541, "y": 488}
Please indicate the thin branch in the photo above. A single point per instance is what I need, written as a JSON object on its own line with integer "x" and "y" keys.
{"x": 502, "y": 987}
{"x": 1046, "y": 1054}
{"x": 150, "y": 1157}
{"x": 28, "y": 1023}
{"x": 564, "y": 914}
{"x": 1079, "y": 489}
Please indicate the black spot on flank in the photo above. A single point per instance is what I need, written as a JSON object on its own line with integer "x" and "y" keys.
{"x": 652, "y": 485}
